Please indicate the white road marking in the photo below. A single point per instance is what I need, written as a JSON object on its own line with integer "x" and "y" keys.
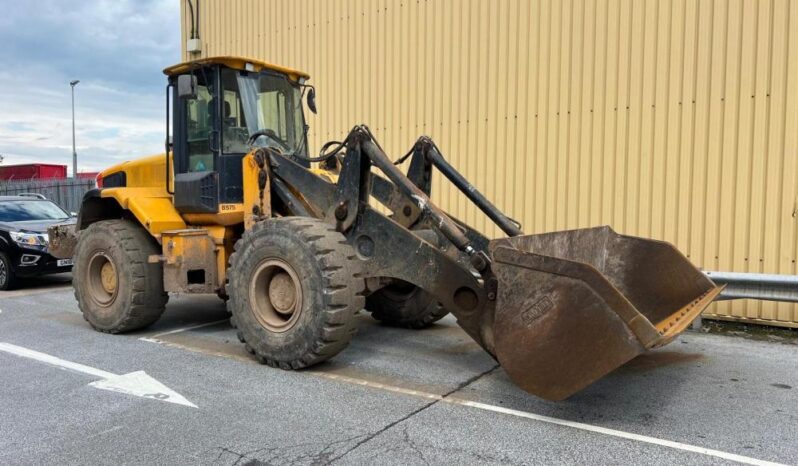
{"x": 551, "y": 420}
{"x": 135, "y": 383}
{"x": 614, "y": 433}
{"x": 154, "y": 338}
{"x": 106, "y": 431}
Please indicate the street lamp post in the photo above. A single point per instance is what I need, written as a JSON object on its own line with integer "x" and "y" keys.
{"x": 74, "y": 152}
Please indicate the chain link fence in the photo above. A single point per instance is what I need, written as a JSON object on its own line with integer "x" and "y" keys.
{"x": 67, "y": 193}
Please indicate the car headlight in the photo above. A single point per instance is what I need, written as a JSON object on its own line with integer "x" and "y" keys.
{"x": 29, "y": 240}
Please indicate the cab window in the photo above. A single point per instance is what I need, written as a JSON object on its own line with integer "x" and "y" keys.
{"x": 200, "y": 124}
{"x": 234, "y": 125}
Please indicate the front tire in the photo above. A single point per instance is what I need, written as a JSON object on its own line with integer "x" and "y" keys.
{"x": 8, "y": 279}
{"x": 117, "y": 289}
{"x": 294, "y": 290}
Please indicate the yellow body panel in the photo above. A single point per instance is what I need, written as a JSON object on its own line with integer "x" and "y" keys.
{"x": 208, "y": 248}
{"x": 152, "y": 207}
{"x": 185, "y": 252}
{"x": 145, "y": 195}
{"x": 224, "y": 238}
{"x": 147, "y": 171}
{"x": 229, "y": 214}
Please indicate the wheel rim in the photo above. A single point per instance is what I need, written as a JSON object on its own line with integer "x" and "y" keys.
{"x": 103, "y": 279}
{"x": 275, "y": 295}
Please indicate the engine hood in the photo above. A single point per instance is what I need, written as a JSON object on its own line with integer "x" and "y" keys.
{"x": 33, "y": 226}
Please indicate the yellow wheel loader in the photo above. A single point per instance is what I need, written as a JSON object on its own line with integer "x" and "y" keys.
{"x": 235, "y": 207}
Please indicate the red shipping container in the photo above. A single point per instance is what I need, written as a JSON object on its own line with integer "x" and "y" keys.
{"x": 33, "y": 171}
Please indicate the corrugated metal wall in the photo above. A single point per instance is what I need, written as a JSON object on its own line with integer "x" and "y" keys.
{"x": 676, "y": 120}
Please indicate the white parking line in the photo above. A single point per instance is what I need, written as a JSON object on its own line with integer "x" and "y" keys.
{"x": 614, "y": 433}
{"x": 154, "y": 338}
{"x": 552, "y": 420}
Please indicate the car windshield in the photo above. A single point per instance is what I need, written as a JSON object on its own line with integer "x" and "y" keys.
{"x": 273, "y": 104}
{"x": 28, "y": 210}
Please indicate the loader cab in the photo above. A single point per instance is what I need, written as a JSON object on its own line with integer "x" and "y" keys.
{"x": 217, "y": 106}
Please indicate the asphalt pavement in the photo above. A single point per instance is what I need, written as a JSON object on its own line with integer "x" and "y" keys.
{"x": 392, "y": 397}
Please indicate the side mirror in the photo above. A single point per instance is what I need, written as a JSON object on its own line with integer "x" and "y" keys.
{"x": 312, "y": 99}
{"x": 187, "y": 86}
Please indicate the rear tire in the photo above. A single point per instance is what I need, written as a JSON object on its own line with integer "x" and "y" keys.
{"x": 8, "y": 280}
{"x": 404, "y": 305}
{"x": 116, "y": 288}
{"x": 294, "y": 290}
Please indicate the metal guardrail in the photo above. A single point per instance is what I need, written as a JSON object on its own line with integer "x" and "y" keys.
{"x": 768, "y": 287}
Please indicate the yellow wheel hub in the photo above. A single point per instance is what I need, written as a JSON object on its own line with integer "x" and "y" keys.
{"x": 282, "y": 293}
{"x": 102, "y": 279}
{"x": 275, "y": 295}
{"x": 108, "y": 277}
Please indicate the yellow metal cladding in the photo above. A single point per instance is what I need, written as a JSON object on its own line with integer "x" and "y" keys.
{"x": 675, "y": 120}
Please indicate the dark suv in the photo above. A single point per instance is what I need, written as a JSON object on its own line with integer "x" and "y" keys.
{"x": 23, "y": 238}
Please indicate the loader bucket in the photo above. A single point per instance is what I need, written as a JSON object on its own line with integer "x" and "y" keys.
{"x": 573, "y": 306}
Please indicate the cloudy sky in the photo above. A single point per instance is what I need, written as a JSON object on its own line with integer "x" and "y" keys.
{"x": 116, "y": 48}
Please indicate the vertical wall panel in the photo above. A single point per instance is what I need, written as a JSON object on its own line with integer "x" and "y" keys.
{"x": 674, "y": 119}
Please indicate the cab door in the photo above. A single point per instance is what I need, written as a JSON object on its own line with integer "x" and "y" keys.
{"x": 234, "y": 139}
{"x": 197, "y": 145}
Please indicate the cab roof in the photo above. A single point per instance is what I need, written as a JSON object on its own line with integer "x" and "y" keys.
{"x": 237, "y": 63}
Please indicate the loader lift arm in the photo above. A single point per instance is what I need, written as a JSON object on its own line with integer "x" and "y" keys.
{"x": 357, "y": 182}
{"x": 425, "y": 153}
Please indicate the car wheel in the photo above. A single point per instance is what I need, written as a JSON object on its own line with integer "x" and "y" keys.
{"x": 7, "y": 277}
